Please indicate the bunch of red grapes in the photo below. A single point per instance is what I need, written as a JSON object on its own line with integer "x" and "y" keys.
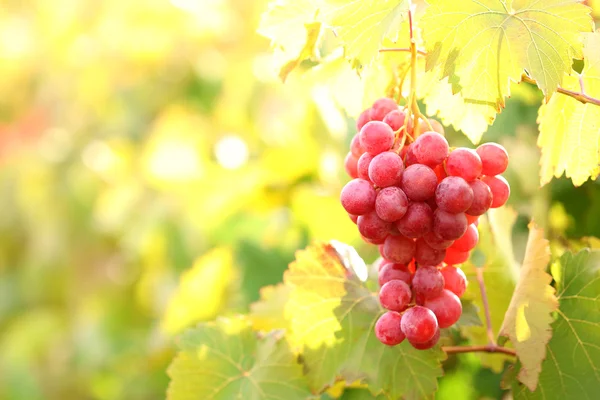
{"x": 420, "y": 201}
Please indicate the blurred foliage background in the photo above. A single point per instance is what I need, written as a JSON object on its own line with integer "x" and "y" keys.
{"x": 154, "y": 172}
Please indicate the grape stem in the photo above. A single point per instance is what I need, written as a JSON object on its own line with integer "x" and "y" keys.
{"x": 479, "y": 349}
{"x": 486, "y": 307}
{"x": 406, "y": 49}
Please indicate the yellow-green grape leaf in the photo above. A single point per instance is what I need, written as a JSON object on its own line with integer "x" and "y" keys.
{"x": 571, "y": 369}
{"x": 528, "y": 318}
{"x": 309, "y": 50}
{"x": 333, "y": 315}
{"x": 482, "y": 45}
{"x": 363, "y": 24}
{"x": 268, "y": 313}
{"x": 227, "y": 360}
{"x": 499, "y": 274}
{"x": 569, "y": 130}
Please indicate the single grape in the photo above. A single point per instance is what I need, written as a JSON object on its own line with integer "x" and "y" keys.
{"x": 376, "y": 137}
{"x": 465, "y": 163}
{"x": 419, "y": 182}
{"x": 372, "y": 227}
{"x": 468, "y": 241}
{"x": 426, "y": 255}
{"x": 386, "y": 169}
{"x": 417, "y": 221}
{"x": 436, "y": 242}
{"x": 395, "y": 295}
{"x": 395, "y": 119}
{"x": 419, "y": 324}
{"x": 350, "y": 164}
{"x": 494, "y": 158}
{"x": 363, "y": 118}
{"x": 355, "y": 147}
{"x": 362, "y": 166}
{"x": 409, "y": 156}
{"x": 358, "y": 197}
{"x": 353, "y": 217}
{"x": 391, "y": 204}
{"x": 454, "y": 195}
{"x": 391, "y": 271}
{"x": 428, "y": 344}
{"x": 388, "y": 329}
{"x": 398, "y": 249}
{"x": 500, "y": 189}
{"x": 482, "y": 198}
{"x": 428, "y": 282}
{"x": 430, "y": 149}
{"x": 454, "y": 257}
{"x": 381, "y": 108}
{"x": 436, "y": 126}
{"x": 454, "y": 280}
{"x": 449, "y": 226}
{"x": 446, "y": 307}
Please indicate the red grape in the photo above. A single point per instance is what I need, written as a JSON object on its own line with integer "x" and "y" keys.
{"x": 472, "y": 219}
{"x": 454, "y": 195}
{"x": 381, "y": 108}
{"x": 392, "y": 271}
{"x": 419, "y": 324}
{"x": 440, "y": 172}
{"x": 500, "y": 189}
{"x": 409, "y": 157}
{"x": 350, "y": 164}
{"x": 446, "y": 307}
{"x": 376, "y": 137}
{"x": 427, "y": 255}
{"x": 428, "y": 281}
{"x": 449, "y": 226}
{"x": 391, "y": 204}
{"x": 417, "y": 220}
{"x": 353, "y": 217}
{"x": 358, "y": 197}
{"x": 436, "y": 242}
{"x": 430, "y": 149}
{"x": 419, "y": 182}
{"x": 454, "y": 256}
{"x": 482, "y": 198}
{"x": 454, "y": 280}
{"x": 395, "y": 295}
{"x": 465, "y": 163}
{"x": 428, "y": 344}
{"x": 355, "y": 147}
{"x": 436, "y": 126}
{"x": 468, "y": 241}
{"x": 372, "y": 227}
{"x": 362, "y": 166}
{"x": 388, "y": 328}
{"x": 385, "y": 169}
{"x": 363, "y": 118}
{"x": 398, "y": 249}
{"x": 395, "y": 119}
{"x": 494, "y": 158}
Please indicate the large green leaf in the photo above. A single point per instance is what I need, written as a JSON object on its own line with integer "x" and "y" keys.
{"x": 226, "y": 360}
{"x": 333, "y": 315}
{"x": 571, "y": 369}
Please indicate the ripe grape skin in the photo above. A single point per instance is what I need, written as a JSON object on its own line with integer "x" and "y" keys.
{"x": 482, "y": 198}
{"x": 426, "y": 255}
{"x": 465, "y": 163}
{"x": 430, "y": 149}
{"x": 392, "y": 271}
{"x": 398, "y": 249}
{"x": 419, "y": 324}
{"x": 395, "y": 119}
{"x": 494, "y": 158}
{"x": 388, "y": 329}
{"x": 436, "y": 126}
{"x": 419, "y": 182}
{"x": 428, "y": 282}
{"x": 381, "y": 108}
{"x": 391, "y": 204}
{"x": 376, "y": 137}
{"x": 362, "y": 166}
{"x": 454, "y": 257}
{"x": 440, "y": 172}
{"x": 436, "y": 242}
{"x": 446, "y": 307}
{"x": 358, "y": 197}
{"x": 428, "y": 344}
{"x": 454, "y": 195}
{"x": 385, "y": 169}
{"x": 372, "y": 227}
{"x": 455, "y": 280}
{"x": 350, "y": 164}
{"x": 500, "y": 189}
{"x": 355, "y": 147}
{"x": 409, "y": 157}
{"x": 353, "y": 218}
{"x": 468, "y": 241}
{"x": 449, "y": 226}
{"x": 395, "y": 295}
{"x": 363, "y": 118}
{"x": 417, "y": 221}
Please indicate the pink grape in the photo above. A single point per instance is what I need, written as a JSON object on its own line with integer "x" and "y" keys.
{"x": 395, "y": 119}
{"x": 385, "y": 169}
{"x": 398, "y": 249}
{"x": 428, "y": 282}
{"x": 362, "y": 166}
{"x": 362, "y": 119}
{"x": 392, "y": 271}
{"x": 449, "y": 226}
{"x": 417, "y": 221}
{"x": 500, "y": 189}
{"x": 381, "y": 108}
{"x": 419, "y": 182}
{"x": 465, "y": 163}
{"x": 355, "y": 147}
{"x": 358, "y": 197}
{"x": 388, "y": 329}
{"x": 436, "y": 242}
{"x": 395, "y": 295}
{"x": 494, "y": 158}
{"x": 436, "y": 126}
{"x": 454, "y": 256}
{"x": 430, "y": 149}
{"x": 446, "y": 307}
{"x": 428, "y": 344}
{"x": 372, "y": 227}
{"x": 426, "y": 255}
{"x": 353, "y": 217}
{"x": 482, "y": 198}
{"x": 350, "y": 164}
{"x": 376, "y": 137}
{"x": 419, "y": 324}
{"x": 454, "y": 195}
{"x": 468, "y": 241}
{"x": 391, "y": 204}
{"x": 409, "y": 156}
{"x": 455, "y": 280}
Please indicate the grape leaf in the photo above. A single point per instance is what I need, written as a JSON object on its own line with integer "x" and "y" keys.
{"x": 363, "y": 24}
{"x": 309, "y": 50}
{"x": 528, "y": 318}
{"x": 226, "y": 360}
{"x": 569, "y": 130}
{"x": 469, "y": 315}
{"x": 571, "y": 369}
{"x": 333, "y": 316}
{"x": 268, "y": 313}
{"x": 482, "y": 45}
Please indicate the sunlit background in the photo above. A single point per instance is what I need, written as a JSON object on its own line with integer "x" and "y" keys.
{"x": 155, "y": 172}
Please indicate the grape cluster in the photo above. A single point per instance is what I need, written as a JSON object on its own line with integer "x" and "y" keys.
{"x": 419, "y": 201}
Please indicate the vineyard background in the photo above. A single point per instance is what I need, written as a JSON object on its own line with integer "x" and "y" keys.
{"x": 155, "y": 173}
